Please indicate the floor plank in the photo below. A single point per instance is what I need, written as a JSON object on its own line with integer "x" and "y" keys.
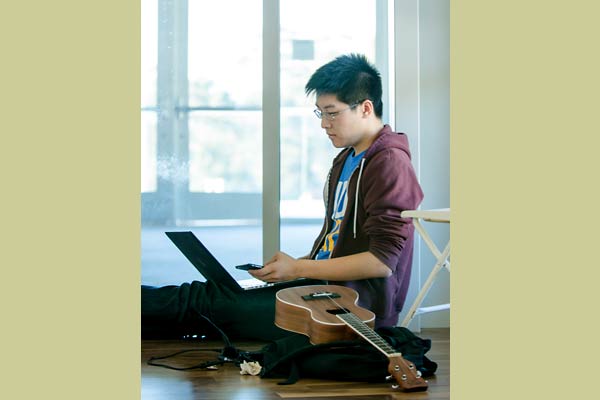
{"x": 226, "y": 383}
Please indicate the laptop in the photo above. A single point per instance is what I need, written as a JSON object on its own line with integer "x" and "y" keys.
{"x": 201, "y": 258}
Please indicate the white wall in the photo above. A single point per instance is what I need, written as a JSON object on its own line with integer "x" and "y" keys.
{"x": 422, "y": 40}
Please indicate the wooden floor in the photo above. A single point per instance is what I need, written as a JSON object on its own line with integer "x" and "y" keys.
{"x": 226, "y": 383}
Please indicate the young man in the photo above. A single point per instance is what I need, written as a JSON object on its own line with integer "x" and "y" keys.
{"x": 364, "y": 243}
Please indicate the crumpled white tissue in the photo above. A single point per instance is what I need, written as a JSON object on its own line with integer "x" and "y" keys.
{"x": 250, "y": 368}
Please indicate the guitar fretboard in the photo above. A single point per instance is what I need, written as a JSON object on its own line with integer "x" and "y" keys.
{"x": 368, "y": 334}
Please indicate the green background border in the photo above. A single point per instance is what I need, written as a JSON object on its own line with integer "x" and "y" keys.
{"x": 70, "y": 203}
{"x": 524, "y": 191}
{"x": 524, "y": 85}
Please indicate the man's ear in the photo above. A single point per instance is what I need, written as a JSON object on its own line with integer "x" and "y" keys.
{"x": 367, "y": 108}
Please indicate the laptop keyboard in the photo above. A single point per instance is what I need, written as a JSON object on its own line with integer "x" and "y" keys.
{"x": 253, "y": 283}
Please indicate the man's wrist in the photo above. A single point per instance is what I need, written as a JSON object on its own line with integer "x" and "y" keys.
{"x": 299, "y": 268}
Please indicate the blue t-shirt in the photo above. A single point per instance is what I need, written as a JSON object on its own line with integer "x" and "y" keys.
{"x": 339, "y": 204}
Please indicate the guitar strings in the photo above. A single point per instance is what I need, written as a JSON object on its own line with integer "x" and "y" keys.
{"x": 367, "y": 333}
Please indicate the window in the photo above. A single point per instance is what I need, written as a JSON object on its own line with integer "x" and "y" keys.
{"x": 148, "y": 95}
{"x": 202, "y": 116}
{"x": 306, "y": 152}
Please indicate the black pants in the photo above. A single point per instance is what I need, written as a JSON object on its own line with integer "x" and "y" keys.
{"x": 175, "y": 311}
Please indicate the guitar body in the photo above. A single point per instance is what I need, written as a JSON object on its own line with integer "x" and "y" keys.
{"x": 316, "y": 317}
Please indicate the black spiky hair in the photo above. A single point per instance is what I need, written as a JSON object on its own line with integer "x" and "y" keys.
{"x": 351, "y": 78}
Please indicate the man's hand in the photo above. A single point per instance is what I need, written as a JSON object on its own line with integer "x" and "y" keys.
{"x": 281, "y": 267}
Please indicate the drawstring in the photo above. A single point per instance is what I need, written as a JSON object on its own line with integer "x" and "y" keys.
{"x": 362, "y": 163}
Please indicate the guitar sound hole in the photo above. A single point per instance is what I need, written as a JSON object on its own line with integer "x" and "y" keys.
{"x": 338, "y": 311}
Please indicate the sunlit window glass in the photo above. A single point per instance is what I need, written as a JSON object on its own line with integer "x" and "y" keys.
{"x": 149, "y": 59}
{"x": 310, "y": 39}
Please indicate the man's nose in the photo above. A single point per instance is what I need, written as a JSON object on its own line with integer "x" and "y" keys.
{"x": 325, "y": 123}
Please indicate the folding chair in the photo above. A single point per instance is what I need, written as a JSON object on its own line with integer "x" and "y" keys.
{"x": 442, "y": 258}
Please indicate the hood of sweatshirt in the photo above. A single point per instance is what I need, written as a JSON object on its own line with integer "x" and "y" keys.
{"x": 387, "y": 138}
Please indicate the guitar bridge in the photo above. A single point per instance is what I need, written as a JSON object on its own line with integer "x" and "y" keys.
{"x": 320, "y": 295}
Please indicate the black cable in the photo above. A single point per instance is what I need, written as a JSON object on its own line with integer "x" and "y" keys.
{"x": 227, "y": 354}
{"x": 205, "y": 364}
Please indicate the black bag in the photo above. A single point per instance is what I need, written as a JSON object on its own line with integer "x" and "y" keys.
{"x": 294, "y": 357}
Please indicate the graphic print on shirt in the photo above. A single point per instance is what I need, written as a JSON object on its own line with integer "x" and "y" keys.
{"x": 340, "y": 202}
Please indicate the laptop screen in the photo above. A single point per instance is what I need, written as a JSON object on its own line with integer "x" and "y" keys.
{"x": 202, "y": 259}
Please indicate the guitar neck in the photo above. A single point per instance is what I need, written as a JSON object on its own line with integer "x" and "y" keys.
{"x": 368, "y": 334}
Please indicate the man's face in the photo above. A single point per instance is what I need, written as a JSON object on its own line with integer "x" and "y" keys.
{"x": 342, "y": 123}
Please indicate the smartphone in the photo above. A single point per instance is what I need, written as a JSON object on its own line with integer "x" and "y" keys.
{"x": 246, "y": 267}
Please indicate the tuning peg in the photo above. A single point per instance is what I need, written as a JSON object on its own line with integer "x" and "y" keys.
{"x": 418, "y": 374}
{"x": 391, "y": 378}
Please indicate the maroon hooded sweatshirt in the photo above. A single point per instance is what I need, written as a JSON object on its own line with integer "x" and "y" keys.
{"x": 384, "y": 185}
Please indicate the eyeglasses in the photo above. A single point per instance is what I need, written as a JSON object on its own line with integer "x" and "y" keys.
{"x": 330, "y": 116}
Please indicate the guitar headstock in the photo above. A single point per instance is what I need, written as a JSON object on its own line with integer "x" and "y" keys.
{"x": 406, "y": 374}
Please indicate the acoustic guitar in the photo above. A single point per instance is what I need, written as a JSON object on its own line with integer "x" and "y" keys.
{"x": 326, "y": 313}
